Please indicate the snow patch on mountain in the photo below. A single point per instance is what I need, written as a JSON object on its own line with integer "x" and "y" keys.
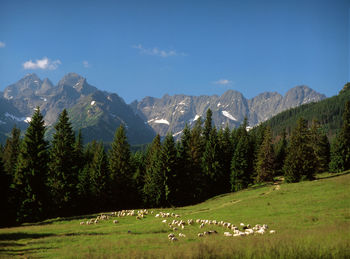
{"x": 162, "y": 121}
{"x": 228, "y": 115}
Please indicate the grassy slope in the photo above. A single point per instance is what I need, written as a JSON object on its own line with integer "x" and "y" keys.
{"x": 312, "y": 219}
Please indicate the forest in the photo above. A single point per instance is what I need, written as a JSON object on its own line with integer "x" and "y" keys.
{"x": 41, "y": 179}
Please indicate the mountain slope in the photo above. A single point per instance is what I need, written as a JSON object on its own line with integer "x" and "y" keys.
{"x": 171, "y": 113}
{"x": 73, "y": 93}
{"x": 328, "y": 112}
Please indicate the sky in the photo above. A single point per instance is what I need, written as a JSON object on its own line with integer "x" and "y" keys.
{"x": 193, "y": 47}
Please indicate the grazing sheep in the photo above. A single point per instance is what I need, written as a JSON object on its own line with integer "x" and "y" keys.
{"x": 164, "y": 221}
{"x": 227, "y": 234}
{"x": 82, "y": 223}
{"x": 272, "y": 231}
{"x": 182, "y": 235}
{"x": 115, "y": 221}
{"x": 202, "y": 225}
{"x": 200, "y": 234}
{"x": 174, "y": 239}
{"x": 171, "y": 235}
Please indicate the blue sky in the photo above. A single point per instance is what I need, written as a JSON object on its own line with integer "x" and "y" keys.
{"x": 150, "y": 48}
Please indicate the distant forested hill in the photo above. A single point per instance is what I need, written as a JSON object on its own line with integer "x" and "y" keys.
{"x": 328, "y": 112}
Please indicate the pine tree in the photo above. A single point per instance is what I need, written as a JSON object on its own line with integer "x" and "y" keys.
{"x": 121, "y": 170}
{"x": 340, "y": 153}
{"x": 63, "y": 175}
{"x": 266, "y": 159}
{"x": 31, "y": 172}
{"x": 300, "y": 162}
{"x": 99, "y": 179}
{"x": 11, "y": 151}
{"x": 154, "y": 188}
{"x": 169, "y": 166}
{"x": 138, "y": 161}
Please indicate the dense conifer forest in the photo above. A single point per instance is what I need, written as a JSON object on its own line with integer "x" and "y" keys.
{"x": 41, "y": 179}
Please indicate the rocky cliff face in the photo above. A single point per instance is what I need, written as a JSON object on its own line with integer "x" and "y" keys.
{"x": 98, "y": 114}
{"x": 171, "y": 113}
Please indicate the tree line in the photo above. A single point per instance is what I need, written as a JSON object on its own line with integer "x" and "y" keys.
{"x": 41, "y": 179}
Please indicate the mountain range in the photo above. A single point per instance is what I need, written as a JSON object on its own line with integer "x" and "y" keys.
{"x": 98, "y": 113}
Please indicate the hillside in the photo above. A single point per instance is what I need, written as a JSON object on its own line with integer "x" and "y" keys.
{"x": 311, "y": 220}
{"x": 328, "y": 112}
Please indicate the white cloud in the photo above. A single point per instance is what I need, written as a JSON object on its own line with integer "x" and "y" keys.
{"x": 2, "y": 44}
{"x": 43, "y": 63}
{"x": 223, "y": 82}
{"x": 157, "y": 52}
{"x": 86, "y": 64}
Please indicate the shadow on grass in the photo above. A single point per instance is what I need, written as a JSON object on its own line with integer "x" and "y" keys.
{"x": 320, "y": 177}
{"x": 58, "y": 219}
{"x": 22, "y": 235}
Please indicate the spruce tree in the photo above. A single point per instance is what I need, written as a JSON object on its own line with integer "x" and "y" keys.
{"x": 99, "y": 179}
{"x": 154, "y": 188}
{"x": 321, "y": 147}
{"x": 6, "y": 216}
{"x": 11, "y": 151}
{"x": 169, "y": 167}
{"x": 300, "y": 163}
{"x": 207, "y": 126}
{"x": 240, "y": 165}
{"x": 225, "y": 157}
{"x": 31, "y": 172}
{"x": 211, "y": 167}
{"x": 266, "y": 159}
{"x": 63, "y": 175}
{"x": 120, "y": 170}
{"x": 281, "y": 152}
{"x": 195, "y": 154}
{"x": 340, "y": 153}
{"x": 185, "y": 194}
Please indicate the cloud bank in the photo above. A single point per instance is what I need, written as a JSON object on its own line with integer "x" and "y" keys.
{"x": 44, "y": 64}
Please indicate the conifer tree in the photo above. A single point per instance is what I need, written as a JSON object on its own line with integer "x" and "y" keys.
{"x": 281, "y": 152}
{"x": 120, "y": 170}
{"x": 6, "y": 215}
{"x": 195, "y": 155}
{"x": 340, "y": 153}
{"x": 185, "y": 193}
{"x": 211, "y": 166}
{"x": 266, "y": 159}
{"x": 99, "y": 179}
{"x": 31, "y": 172}
{"x": 240, "y": 165}
{"x": 63, "y": 175}
{"x": 207, "y": 126}
{"x": 11, "y": 151}
{"x": 225, "y": 157}
{"x": 242, "y": 160}
{"x": 300, "y": 163}
{"x": 321, "y": 147}
{"x": 169, "y": 166}
{"x": 154, "y": 188}
{"x": 138, "y": 160}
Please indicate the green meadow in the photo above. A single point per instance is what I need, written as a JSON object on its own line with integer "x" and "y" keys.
{"x": 311, "y": 220}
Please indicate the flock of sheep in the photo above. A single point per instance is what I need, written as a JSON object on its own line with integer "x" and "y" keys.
{"x": 175, "y": 225}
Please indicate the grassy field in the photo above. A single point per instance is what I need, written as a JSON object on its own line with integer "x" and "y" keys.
{"x": 311, "y": 219}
